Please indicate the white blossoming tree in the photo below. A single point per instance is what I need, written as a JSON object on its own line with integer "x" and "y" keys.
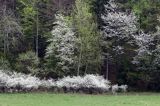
{"x": 147, "y": 59}
{"x": 118, "y": 32}
{"x": 119, "y": 27}
{"x": 144, "y": 43}
{"x": 61, "y": 51}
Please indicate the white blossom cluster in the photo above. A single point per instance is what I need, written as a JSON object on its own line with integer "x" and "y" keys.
{"x": 12, "y": 80}
{"x": 116, "y": 88}
{"x": 156, "y": 52}
{"x": 88, "y": 81}
{"x": 143, "y": 41}
{"x": 118, "y": 23}
{"x": 62, "y": 43}
{"x": 119, "y": 26}
{"x": 120, "y": 29}
{"x": 148, "y": 53}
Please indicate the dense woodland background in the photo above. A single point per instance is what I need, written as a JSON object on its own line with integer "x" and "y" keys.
{"x": 54, "y": 38}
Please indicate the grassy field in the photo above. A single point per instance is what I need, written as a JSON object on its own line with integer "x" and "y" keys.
{"x": 44, "y": 99}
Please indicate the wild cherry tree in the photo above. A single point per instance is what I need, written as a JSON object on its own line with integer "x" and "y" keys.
{"x": 122, "y": 41}
{"x": 118, "y": 32}
{"x": 147, "y": 59}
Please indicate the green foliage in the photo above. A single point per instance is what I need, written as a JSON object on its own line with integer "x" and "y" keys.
{"x": 88, "y": 35}
{"x": 10, "y": 32}
{"x": 4, "y": 64}
{"x": 27, "y": 62}
{"x": 147, "y": 11}
{"x": 27, "y": 13}
{"x": 36, "y": 18}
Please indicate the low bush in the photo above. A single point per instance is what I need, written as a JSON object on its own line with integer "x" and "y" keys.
{"x": 88, "y": 81}
{"x": 116, "y": 88}
{"x": 4, "y": 64}
{"x": 27, "y": 63}
{"x": 16, "y": 82}
{"x": 22, "y": 81}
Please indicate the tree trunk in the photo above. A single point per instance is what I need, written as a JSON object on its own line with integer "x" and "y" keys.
{"x": 37, "y": 23}
{"x": 79, "y": 61}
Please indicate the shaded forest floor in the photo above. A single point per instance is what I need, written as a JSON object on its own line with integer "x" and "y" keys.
{"x": 48, "y": 99}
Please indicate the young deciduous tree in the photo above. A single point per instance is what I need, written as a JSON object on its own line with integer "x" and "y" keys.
{"x": 10, "y": 30}
{"x": 89, "y": 57}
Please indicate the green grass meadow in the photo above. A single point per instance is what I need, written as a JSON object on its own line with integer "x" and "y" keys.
{"x": 48, "y": 99}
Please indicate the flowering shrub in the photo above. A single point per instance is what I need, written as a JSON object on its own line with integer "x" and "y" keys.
{"x": 17, "y": 81}
{"x": 13, "y": 80}
{"x": 116, "y": 88}
{"x": 88, "y": 81}
{"x": 123, "y": 88}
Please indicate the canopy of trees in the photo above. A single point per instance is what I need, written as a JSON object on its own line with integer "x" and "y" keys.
{"x": 56, "y": 38}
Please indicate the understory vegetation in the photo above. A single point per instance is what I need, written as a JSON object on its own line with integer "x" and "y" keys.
{"x": 96, "y": 43}
{"x": 17, "y": 82}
